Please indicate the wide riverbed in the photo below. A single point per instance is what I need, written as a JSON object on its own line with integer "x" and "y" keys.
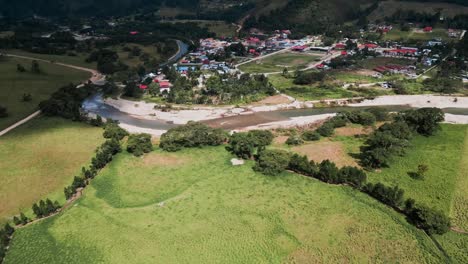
{"x": 96, "y": 105}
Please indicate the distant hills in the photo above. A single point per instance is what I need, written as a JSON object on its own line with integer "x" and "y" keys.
{"x": 306, "y": 15}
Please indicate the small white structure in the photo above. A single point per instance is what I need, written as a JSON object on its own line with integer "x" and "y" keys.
{"x": 237, "y": 162}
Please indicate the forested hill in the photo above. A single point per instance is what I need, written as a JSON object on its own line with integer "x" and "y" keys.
{"x": 23, "y": 8}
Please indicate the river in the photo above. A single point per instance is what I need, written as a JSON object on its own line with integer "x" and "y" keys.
{"x": 96, "y": 105}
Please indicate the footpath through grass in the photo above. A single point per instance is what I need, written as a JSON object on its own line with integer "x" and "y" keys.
{"x": 195, "y": 207}
{"x": 14, "y": 84}
{"x": 39, "y": 159}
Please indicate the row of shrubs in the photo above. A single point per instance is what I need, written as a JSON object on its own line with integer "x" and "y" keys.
{"x": 6, "y": 234}
{"x": 274, "y": 162}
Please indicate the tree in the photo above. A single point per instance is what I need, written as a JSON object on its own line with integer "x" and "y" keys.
{"x": 132, "y": 90}
{"x": 9, "y": 230}
{"x": 425, "y": 121}
{"x": 242, "y": 145}
{"x": 272, "y": 162}
{"x": 16, "y": 220}
{"x": 35, "y": 68}
{"x": 302, "y": 165}
{"x": 3, "y": 112}
{"x": 113, "y": 130}
{"x": 138, "y": 144}
{"x": 326, "y": 130}
{"x": 193, "y": 134}
{"x": 352, "y": 176}
{"x": 153, "y": 89}
{"x": 294, "y": 140}
{"x": 24, "y": 219}
{"x": 20, "y": 68}
{"x": 328, "y": 172}
{"x": 431, "y": 220}
{"x": 27, "y": 97}
{"x": 421, "y": 171}
{"x": 310, "y": 135}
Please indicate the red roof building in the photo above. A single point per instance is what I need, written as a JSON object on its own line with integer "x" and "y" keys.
{"x": 344, "y": 53}
{"x": 143, "y": 87}
{"x": 340, "y": 46}
{"x": 133, "y": 32}
{"x": 427, "y": 29}
{"x": 164, "y": 85}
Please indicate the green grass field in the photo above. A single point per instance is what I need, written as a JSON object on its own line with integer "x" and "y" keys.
{"x": 194, "y": 207}
{"x": 40, "y": 86}
{"x": 399, "y": 35}
{"x": 40, "y": 158}
{"x": 278, "y": 62}
{"x": 443, "y": 153}
{"x": 316, "y": 92}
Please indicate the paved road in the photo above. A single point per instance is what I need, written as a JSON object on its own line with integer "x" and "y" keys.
{"x": 96, "y": 78}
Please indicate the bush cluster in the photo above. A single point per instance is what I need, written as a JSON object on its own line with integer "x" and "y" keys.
{"x": 247, "y": 144}
{"x": 139, "y": 144}
{"x": 193, "y": 134}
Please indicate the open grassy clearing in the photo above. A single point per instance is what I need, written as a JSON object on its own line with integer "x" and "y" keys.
{"x": 398, "y": 35}
{"x": 316, "y": 92}
{"x": 194, "y": 207}
{"x": 443, "y": 154}
{"x": 14, "y": 84}
{"x": 278, "y": 62}
{"x": 372, "y": 63}
{"x": 40, "y": 158}
{"x": 78, "y": 60}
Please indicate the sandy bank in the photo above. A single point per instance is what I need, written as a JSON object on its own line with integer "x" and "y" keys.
{"x": 417, "y": 101}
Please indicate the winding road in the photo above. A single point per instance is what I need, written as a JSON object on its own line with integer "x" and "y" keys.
{"x": 96, "y": 78}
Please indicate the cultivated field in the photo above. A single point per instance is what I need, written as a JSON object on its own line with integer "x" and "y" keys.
{"x": 134, "y": 61}
{"x": 278, "y": 62}
{"x": 39, "y": 159}
{"x": 14, "y": 84}
{"x": 194, "y": 207}
{"x": 399, "y": 35}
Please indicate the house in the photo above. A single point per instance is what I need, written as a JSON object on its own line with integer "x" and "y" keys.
{"x": 165, "y": 86}
{"x": 143, "y": 86}
{"x": 427, "y": 29}
{"x": 340, "y": 46}
{"x": 344, "y": 53}
{"x": 299, "y": 48}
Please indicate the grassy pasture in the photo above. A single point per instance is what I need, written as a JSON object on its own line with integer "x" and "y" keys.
{"x": 443, "y": 154}
{"x": 278, "y": 62}
{"x": 40, "y": 158}
{"x": 194, "y": 207}
{"x": 14, "y": 84}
